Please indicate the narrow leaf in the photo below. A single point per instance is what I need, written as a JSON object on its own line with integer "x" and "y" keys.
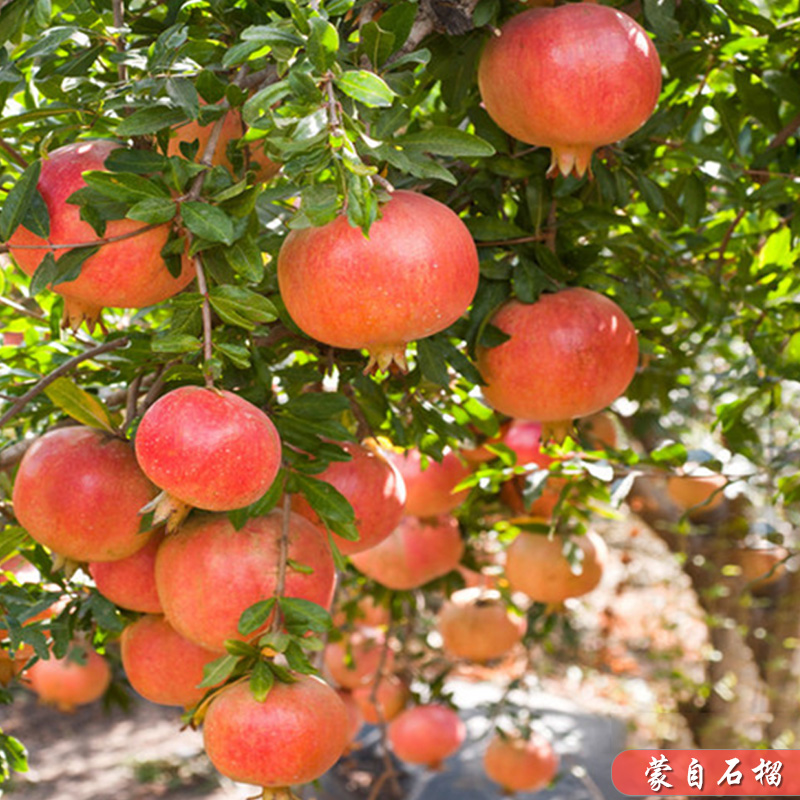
{"x": 151, "y": 120}
{"x": 444, "y": 141}
{"x": 19, "y": 200}
{"x": 261, "y": 681}
{"x": 79, "y": 404}
{"x": 254, "y": 617}
{"x": 217, "y": 671}
{"x": 207, "y": 222}
{"x": 366, "y": 87}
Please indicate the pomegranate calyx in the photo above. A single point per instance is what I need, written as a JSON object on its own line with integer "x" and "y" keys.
{"x": 276, "y": 793}
{"x": 167, "y": 510}
{"x": 76, "y": 312}
{"x": 382, "y": 357}
{"x": 571, "y": 160}
{"x": 557, "y": 431}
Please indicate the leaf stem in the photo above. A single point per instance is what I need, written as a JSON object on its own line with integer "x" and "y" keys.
{"x": 66, "y": 367}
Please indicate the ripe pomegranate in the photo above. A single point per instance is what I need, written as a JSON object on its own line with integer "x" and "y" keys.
{"x": 524, "y": 439}
{"x": 537, "y": 566}
{"x": 131, "y": 582}
{"x": 293, "y": 737}
{"x": 481, "y": 454}
{"x": 129, "y": 273}
{"x": 365, "y": 613}
{"x": 521, "y": 765}
{"x": 232, "y": 128}
{"x": 354, "y": 716}
{"x": 426, "y": 735}
{"x": 416, "y": 552}
{"x": 415, "y": 275}
{"x": 78, "y": 491}
{"x": 80, "y": 678}
{"x": 207, "y": 448}
{"x": 599, "y": 431}
{"x": 697, "y": 494}
{"x": 760, "y": 566}
{"x": 475, "y": 624}
{"x": 391, "y": 697}
{"x": 570, "y": 78}
{"x": 354, "y": 660}
{"x": 162, "y": 665}
{"x": 569, "y": 354}
{"x": 375, "y": 489}
{"x": 208, "y": 572}
{"x": 429, "y": 491}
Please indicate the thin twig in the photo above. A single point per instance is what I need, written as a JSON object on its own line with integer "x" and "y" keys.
{"x": 155, "y": 390}
{"x": 785, "y": 133}
{"x": 726, "y": 239}
{"x": 550, "y": 241}
{"x": 119, "y": 40}
{"x": 132, "y": 400}
{"x": 41, "y": 317}
{"x": 105, "y": 240}
{"x": 208, "y": 348}
{"x": 283, "y": 560}
{"x": 66, "y": 367}
{"x": 538, "y": 237}
{"x": 15, "y": 154}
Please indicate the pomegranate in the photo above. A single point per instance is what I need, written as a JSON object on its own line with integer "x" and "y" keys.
{"x": 354, "y": 716}
{"x": 208, "y": 572}
{"x": 429, "y": 491}
{"x": 375, "y": 489}
{"x": 363, "y": 613}
{"x": 569, "y": 354}
{"x": 293, "y": 737}
{"x": 78, "y": 491}
{"x": 521, "y": 765}
{"x": 480, "y": 454}
{"x": 161, "y": 665}
{"x": 416, "y": 552}
{"x": 570, "y": 78}
{"x": 599, "y": 431}
{"x": 475, "y": 624}
{"x": 209, "y": 449}
{"x": 536, "y": 566}
{"x": 232, "y": 128}
{"x": 131, "y": 582}
{"x": 354, "y": 661}
{"x": 415, "y": 275}
{"x": 760, "y": 566}
{"x": 391, "y": 697}
{"x": 426, "y": 735}
{"x": 129, "y": 273}
{"x": 697, "y": 494}
{"x": 80, "y": 678}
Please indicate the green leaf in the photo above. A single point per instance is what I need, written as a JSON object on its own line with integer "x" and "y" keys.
{"x": 317, "y": 405}
{"x": 151, "y": 120}
{"x": 141, "y": 162}
{"x": 323, "y": 43}
{"x": 255, "y": 616}
{"x": 125, "y": 186}
{"x": 444, "y": 141}
{"x": 154, "y": 210}
{"x": 366, "y": 87}
{"x": 325, "y": 499}
{"x": 80, "y": 405}
{"x": 398, "y": 20}
{"x": 68, "y": 266}
{"x": 300, "y": 616}
{"x": 246, "y": 259}
{"x": 375, "y": 43}
{"x": 106, "y": 613}
{"x": 261, "y": 681}
{"x": 242, "y": 307}
{"x": 271, "y": 35}
{"x": 207, "y": 222}
{"x": 18, "y": 202}
{"x": 44, "y": 275}
{"x": 218, "y": 670}
{"x": 673, "y": 452}
{"x": 177, "y": 343}
{"x": 275, "y": 640}
{"x": 183, "y": 94}
{"x": 237, "y": 354}
{"x": 431, "y": 362}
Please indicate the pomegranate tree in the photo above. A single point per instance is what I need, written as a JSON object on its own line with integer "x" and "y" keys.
{"x": 476, "y": 624}
{"x": 162, "y": 665}
{"x": 416, "y": 552}
{"x": 81, "y": 677}
{"x": 570, "y": 78}
{"x": 426, "y": 735}
{"x": 293, "y": 737}
{"x": 208, "y": 572}
{"x": 414, "y": 276}
{"x": 537, "y": 566}
{"x": 78, "y": 491}
{"x": 373, "y": 487}
{"x": 207, "y": 448}
{"x": 430, "y": 489}
{"x": 128, "y": 273}
{"x": 568, "y": 355}
{"x": 519, "y": 764}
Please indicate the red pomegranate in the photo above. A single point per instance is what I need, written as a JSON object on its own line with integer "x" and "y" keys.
{"x": 426, "y": 735}
{"x": 354, "y": 717}
{"x": 375, "y": 489}
{"x": 293, "y": 737}
{"x": 354, "y": 660}
{"x": 537, "y": 566}
{"x": 131, "y": 582}
{"x": 569, "y": 354}
{"x": 391, "y": 697}
{"x": 521, "y": 765}
{"x": 697, "y": 494}
{"x": 416, "y": 552}
{"x": 599, "y": 431}
{"x": 80, "y": 678}
{"x": 209, "y": 449}
{"x": 476, "y": 624}
{"x": 208, "y": 572}
{"x": 415, "y": 275}
{"x": 429, "y": 491}
{"x": 78, "y": 491}
{"x": 232, "y": 128}
{"x": 161, "y": 665}
{"x": 570, "y": 78}
{"x": 129, "y": 273}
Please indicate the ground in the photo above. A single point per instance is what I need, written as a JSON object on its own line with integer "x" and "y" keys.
{"x": 638, "y": 650}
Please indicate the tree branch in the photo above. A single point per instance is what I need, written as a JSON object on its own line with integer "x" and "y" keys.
{"x": 785, "y": 133}
{"x": 208, "y": 347}
{"x": 119, "y": 40}
{"x": 15, "y": 155}
{"x": 105, "y": 240}
{"x": 283, "y": 560}
{"x": 66, "y": 367}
